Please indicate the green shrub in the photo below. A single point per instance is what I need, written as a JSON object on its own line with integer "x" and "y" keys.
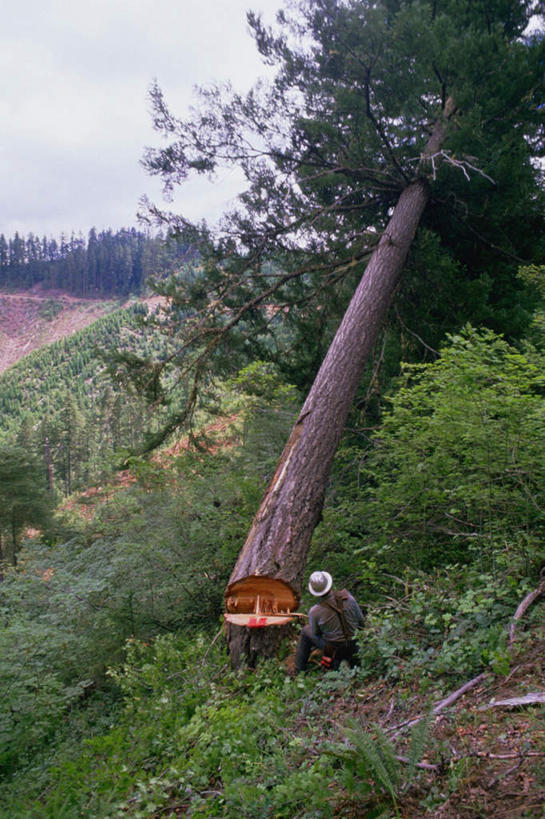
{"x": 50, "y": 309}
{"x": 451, "y": 622}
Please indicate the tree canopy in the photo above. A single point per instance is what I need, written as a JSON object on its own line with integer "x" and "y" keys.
{"x": 326, "y": 149}
{"x": 105, "y": 263}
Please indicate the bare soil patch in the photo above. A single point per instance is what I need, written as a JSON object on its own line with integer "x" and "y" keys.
{"x": 487, "y": 761}
{"x": 29, "y": 320}
{"x": 33, "y": 318}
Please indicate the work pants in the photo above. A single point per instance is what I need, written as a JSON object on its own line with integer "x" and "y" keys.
{"x": 307, "y": 641}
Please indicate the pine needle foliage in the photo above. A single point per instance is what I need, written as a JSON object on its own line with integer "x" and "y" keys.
{"x": 325, "y": 149}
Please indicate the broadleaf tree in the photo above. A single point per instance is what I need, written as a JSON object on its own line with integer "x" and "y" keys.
{"x": 384, "y": 120}
{"x": 457, "y": 470}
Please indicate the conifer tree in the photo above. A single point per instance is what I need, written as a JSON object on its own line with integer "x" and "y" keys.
{"x": 24, "y": 499}
{"x": 384, "y": 119}
{"x": 328, "y": 148}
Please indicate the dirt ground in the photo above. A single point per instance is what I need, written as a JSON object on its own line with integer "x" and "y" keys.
{"x": 482, "y": 760}
{"x": 23, "y": 329}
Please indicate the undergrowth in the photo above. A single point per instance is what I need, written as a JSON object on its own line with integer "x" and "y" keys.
{"x": 195, "y": 737}
{"x": 172, "y": 730}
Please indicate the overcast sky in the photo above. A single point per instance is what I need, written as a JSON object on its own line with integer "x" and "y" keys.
{"x": 74, "y": 108}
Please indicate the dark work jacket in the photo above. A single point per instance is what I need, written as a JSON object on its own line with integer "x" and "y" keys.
{"x": 326, "y": 623}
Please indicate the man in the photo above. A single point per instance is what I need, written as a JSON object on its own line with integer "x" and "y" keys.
{"x": 332, "y": 623}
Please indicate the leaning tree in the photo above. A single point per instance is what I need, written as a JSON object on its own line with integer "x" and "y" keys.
{"x": 384, "y": 121}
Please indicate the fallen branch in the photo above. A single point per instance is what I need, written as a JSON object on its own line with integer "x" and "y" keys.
{"x": 538, "y": 697}
{"x": 205, "y": 655}
{"x": 390, "y": 709}
{"x": 441, "y": 705}
{"x": 500, "y": 777}
{"x": 459, "y": 692}
{"x": 487, "y": 755}
{"x": 523, "y": 606}
{"x": 513, "y": 702}
{"x": 430, "y": 766}
{"x": 426, "y": 766}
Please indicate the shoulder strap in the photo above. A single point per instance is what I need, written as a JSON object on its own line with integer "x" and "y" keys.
{"x": 338, "y": 609}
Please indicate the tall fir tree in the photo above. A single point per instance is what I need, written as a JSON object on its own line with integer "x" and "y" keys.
{"x": 384, "y": 119}
{"x": 328, "y": 147}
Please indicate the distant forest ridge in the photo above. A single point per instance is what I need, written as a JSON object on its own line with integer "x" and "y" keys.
{"x": 103, "y": 264}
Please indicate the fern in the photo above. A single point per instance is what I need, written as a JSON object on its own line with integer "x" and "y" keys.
{"x": 419, "y": 740}
{"x": 372, "y": 759}
{"x": 387, "y": 752}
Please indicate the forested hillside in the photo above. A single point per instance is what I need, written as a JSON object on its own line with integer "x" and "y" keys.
{"x": 118, "y": 693}
{"x": 61, "y": 403}
{"x": 399, "y": 143}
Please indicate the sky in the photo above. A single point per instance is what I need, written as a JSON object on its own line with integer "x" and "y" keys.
{"x": 74, "y": 107}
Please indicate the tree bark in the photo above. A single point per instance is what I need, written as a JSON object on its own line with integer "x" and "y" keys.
{"x": 279, "y": 538}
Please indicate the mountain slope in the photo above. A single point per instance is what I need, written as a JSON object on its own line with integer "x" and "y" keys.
{"x": 30, "y": 319}
{"x": 33, "y": 318}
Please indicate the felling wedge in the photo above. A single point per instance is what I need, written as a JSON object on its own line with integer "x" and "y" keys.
{"x": 258, "y": 601}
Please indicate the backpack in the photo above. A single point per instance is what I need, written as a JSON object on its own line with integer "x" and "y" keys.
{"x": 333, "y": 654}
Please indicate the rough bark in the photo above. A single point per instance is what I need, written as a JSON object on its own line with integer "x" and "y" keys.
{"x": 279, "y": 538}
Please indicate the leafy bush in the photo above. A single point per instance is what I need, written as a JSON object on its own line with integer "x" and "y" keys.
{"x": 458, "y": 471}
{"x": 451, "y": 622}
{"x": 194, "y": 736}
{"x": 455, "y": 474}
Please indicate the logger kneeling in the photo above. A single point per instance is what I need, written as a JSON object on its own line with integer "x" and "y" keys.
{"x": 333, "y": 621}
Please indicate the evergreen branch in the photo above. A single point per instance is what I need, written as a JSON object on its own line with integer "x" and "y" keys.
{"x": 378, "y": 127}
{"x": 412, "y": 333}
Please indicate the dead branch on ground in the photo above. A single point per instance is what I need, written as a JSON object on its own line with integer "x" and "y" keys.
{"x": 525, "y": 605}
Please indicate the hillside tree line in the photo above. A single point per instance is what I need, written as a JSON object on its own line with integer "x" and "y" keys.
{"x": 103, "y": 264}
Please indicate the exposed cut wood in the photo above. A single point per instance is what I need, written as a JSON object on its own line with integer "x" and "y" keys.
{"x": 258, "y": 601}
{"x": 258, "y": 620}
{"x": 260, "y": 594}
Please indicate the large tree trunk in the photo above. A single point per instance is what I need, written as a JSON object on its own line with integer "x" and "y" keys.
{"x": 279, "y": 538}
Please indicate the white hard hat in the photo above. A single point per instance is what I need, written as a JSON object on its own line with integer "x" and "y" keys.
{"x": 319, "y": 583}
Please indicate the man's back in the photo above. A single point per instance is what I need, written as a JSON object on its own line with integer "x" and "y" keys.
{"x": 324, "y": 620}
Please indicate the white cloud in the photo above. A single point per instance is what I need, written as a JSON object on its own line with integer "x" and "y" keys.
{"x": 74, "y": 113}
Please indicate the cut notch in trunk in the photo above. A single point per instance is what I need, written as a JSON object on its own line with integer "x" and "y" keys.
{"x": 258, "y": 601}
